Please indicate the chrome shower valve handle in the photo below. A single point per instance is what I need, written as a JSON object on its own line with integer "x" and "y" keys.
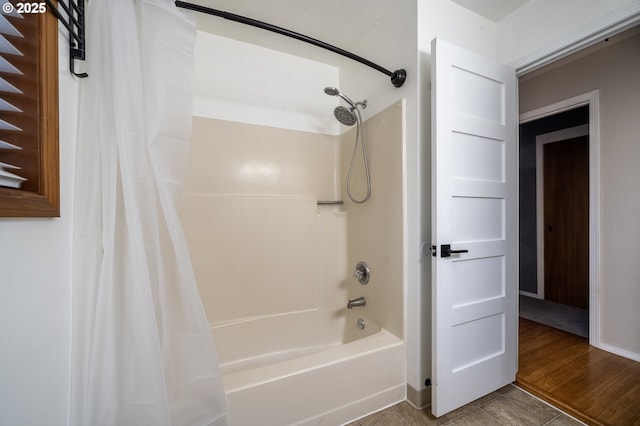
{"x": 362, "y": 273}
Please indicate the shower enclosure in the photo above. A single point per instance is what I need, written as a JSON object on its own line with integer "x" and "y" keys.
{"x": 274, "y": 252}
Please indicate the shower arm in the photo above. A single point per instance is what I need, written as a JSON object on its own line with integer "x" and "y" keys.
{"x": 398, "y": 77}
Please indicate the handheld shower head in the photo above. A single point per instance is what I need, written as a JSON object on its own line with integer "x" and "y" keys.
{"x": 331, "y": 91}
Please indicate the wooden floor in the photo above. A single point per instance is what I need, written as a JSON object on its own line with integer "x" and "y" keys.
{"x": 592, "y": 385}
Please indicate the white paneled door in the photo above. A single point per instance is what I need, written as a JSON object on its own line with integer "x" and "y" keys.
{"x": 474, "y": 226}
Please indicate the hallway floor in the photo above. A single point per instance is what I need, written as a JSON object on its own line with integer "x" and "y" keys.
{"x": 598, "y": 387}
{"x": 507, "y": 406}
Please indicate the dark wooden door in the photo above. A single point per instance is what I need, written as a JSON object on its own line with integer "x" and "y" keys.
{"x": 566, "y": 221}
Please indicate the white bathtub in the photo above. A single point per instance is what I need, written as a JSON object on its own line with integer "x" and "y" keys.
{"x": 274, "y": 274}
{"x": 296, "y": 382}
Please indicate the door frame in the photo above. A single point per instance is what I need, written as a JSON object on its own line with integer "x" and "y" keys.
{"x": 593, "y": 100}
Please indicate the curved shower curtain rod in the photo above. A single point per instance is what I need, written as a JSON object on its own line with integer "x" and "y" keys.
{"x": 398, "y": 77}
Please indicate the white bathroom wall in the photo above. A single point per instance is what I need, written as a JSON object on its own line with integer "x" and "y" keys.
{"x": 245, "y": 83}
{"x": 392, "y": 44}
{"x": 457, "y": 25}
{"x": 35, "y": 291}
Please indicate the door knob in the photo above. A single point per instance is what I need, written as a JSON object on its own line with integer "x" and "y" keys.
{"x": 445, "y": 250}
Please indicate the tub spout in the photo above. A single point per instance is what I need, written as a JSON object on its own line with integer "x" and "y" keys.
{"x": 360, "y": 301}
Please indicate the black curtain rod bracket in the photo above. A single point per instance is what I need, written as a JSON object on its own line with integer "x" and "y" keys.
{"x": 398, "y": 77}
{"x": 74, "y": 23}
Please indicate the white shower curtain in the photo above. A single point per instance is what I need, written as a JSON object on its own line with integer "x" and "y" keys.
{"x": 142, "y": 353}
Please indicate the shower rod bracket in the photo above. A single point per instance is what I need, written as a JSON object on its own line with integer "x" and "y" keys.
{"x": 398, "y": 77}
{"x": 74, "y": 23}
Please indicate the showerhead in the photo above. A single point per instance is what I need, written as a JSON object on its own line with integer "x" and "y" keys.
{"x": 345, "y": 115}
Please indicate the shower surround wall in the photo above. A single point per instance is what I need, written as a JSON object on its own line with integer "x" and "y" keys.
{"x": 274, "y": 268}
{"x": 375, "y": 227}
{"x": 252, "y": 220}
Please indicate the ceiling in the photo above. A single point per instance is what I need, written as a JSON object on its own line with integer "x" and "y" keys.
{"x": 493, "y": 10}
{"x": 331, "y": 21}
{"x": 334, "y": 19}
{"x": 338, "y": 14}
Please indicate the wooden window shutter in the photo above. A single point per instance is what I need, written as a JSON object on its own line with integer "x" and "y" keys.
{"x": 29, "y": 164}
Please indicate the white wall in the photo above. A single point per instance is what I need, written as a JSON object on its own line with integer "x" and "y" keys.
{"x": 35, "y": 293}
{"x": 543, "y": 24}
{"x": 245, "y": 83}
{"x": 457, "y": 25}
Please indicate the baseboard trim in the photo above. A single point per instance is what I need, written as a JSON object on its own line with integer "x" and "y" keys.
{"x": 618, "y": 351}
{"x": 419, "y": 399}
{"x": 529, "y": 294}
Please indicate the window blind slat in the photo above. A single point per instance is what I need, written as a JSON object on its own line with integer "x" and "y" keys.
{"x": 8, "y": 166}
{"x": 7, "y": 48}
{"x": 5, "y": 125}
{"x": 7, "y": 145}
{"x": 14, "y": 14}
{"x": 7, "y": 28}
{"x": 8, "y": 178}
{"x": 7, "y": 87}
{"x": 6, "y": 106}
{"x": 8, "y": 68}
{"x": 16, "y": 74}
